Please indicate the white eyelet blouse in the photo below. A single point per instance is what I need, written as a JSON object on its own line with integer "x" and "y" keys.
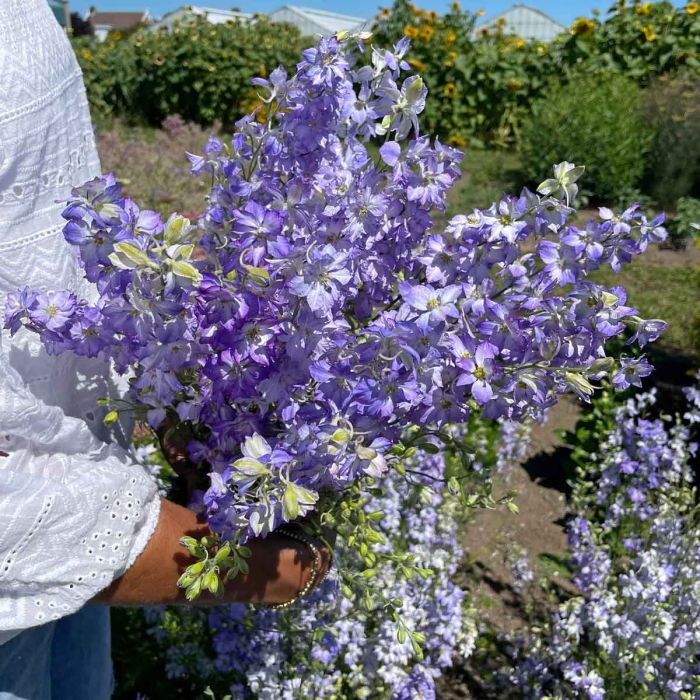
{"x": 75, "y": 511}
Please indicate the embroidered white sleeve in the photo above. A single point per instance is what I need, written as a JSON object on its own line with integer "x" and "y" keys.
{"x": 74, "y": 511}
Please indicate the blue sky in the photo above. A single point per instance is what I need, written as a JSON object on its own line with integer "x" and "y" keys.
{"x": 564, "y": 12}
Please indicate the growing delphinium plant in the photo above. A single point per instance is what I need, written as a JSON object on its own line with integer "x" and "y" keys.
{"x": 315, "y": 328}
{"x": 327, "y": 648}
{"x": 635, "y": 543}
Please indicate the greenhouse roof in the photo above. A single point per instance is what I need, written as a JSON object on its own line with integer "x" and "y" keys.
{"x": 329, "y": 22}
{"x": 525, "y": 21}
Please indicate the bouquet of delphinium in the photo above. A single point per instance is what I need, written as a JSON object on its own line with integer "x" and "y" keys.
{"x": 316, "y": 326}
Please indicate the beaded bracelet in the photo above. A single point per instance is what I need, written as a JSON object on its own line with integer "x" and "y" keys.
{"x": 315, "y": 567}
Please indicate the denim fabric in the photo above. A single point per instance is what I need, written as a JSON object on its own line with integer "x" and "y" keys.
{"x": 65, "y": 660}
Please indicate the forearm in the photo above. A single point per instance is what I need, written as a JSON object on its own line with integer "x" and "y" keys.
{"x": 279, "y": 567}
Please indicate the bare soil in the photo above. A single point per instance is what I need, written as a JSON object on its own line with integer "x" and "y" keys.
{"x": 537, "y": 529}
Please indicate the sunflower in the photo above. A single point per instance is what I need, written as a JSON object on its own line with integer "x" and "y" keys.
{"x": 514, "y": 84}
{"x": 427, "y": 33}
{"x": 87, "y": 54}
{"x": 648, "y": 32}
{"x": 480, "y": 13}
{"x": 692, "y": 7}
{"x": 384, "y": 12}
{"x": 519, "y": 43}
{"x": 450, "y": 38}
{"x": 455, "y": 6}
{"x": 410, "y": 31}
{"x": 450, "y": 90}
{"x": 582, "y": 26}
{"x": 456, "y": 141}
{"x": 416, "y": 64}
{"x": 643, "y": 9}
{"x": 432, "y": 16}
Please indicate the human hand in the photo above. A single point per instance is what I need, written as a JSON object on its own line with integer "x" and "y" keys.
{"x": 174, "y": 437}
{"x": 322, "y": 537}
{"x": 279, "y": 567}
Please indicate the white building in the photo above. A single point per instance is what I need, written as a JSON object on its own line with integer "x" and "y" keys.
{"x": 525, "y": 21}
{"x": 212, "y": 15}
{"x": 312, "y": 22}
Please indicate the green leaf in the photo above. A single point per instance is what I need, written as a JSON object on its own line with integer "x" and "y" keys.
{"x": 429, "y": 448}
{"x": 186, "y": 270}
{"x": 258, "y": 274}
{"x": 128, "y": 257}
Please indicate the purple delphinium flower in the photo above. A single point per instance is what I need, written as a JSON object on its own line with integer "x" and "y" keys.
{"x": 434, "y": 305}
{"x": 631, "y": 372}
{"x": 53, "y": 310}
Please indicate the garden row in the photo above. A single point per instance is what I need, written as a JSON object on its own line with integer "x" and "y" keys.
{"x": 627, "y": 629}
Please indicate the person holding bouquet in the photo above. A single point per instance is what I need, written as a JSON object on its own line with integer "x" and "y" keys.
{"x": 81, "y": 526}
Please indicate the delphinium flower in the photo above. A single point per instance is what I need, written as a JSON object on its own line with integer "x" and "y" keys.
{"x": 513, "y": 444}
{"x": 520, "y": 569}
{"x": 327, "y": 646}
{"x": 635, "y": 543}
{"x": 316, "y": 322}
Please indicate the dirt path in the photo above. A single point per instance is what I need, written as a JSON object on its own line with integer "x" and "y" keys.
{"x": 537, "y": 529}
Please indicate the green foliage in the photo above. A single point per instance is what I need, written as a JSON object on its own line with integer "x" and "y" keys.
{"x": 639, "y": 40}
{"x": 139, "y": 661}
{"x": 477, "y": 90}
{"x": 198, "y": 70}
{"x": 685, "y": 224}
{"x": 585, "y": 439}
{"x": 596, "y": 120}
{"x": 662, "y": 291}
{"x": 671, "y": 106}
{"x": 481, "y": 88}
{"x": 108, "y": 72}
{"x": 488, "y": 174}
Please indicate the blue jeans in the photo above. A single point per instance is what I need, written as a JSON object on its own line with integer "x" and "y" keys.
{"x": 69, "y": 659}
